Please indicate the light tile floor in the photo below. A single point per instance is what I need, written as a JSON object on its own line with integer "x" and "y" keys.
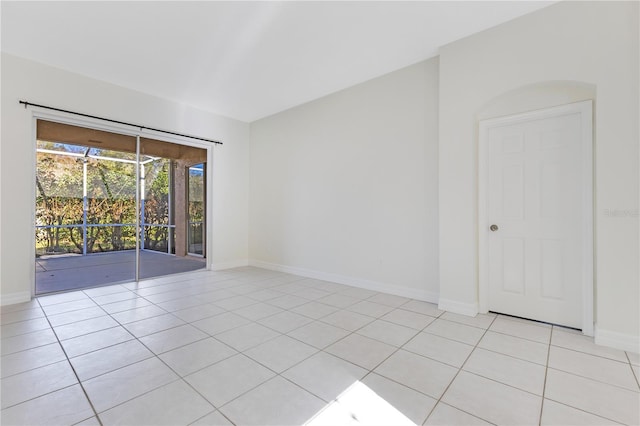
{"x": 257, "y": 347}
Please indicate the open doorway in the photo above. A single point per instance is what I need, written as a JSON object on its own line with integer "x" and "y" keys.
{"x": 111, "y": 208}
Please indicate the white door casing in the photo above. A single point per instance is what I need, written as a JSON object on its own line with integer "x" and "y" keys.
{"x": 536, "y": 185}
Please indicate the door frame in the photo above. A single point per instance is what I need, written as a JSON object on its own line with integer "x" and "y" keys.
{"x": 38, "y": 113}
{"x": 585, "y": 109}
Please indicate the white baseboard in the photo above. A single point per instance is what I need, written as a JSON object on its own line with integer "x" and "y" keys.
{"x": 614, "y": 339}
{"x": 412, "y": 293}
{"x": 13, "y": 298}
{"x": 228, "y": 264}
{"x": 468, "y": 309}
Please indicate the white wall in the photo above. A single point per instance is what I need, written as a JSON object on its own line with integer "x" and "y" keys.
{"x": 37, "y": 83}
{"x": 596, "y": 45}
{"x": 345, "y": 187}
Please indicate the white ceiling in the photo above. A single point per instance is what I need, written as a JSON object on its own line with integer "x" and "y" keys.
{"x": 244, "y": 60}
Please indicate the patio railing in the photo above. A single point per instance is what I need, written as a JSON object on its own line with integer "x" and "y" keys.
{"x": 85, "y": 226}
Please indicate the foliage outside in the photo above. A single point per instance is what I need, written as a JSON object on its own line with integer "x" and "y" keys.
{"x": 111, "y": 188}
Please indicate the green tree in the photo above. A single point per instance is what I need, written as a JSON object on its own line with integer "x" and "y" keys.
{"x": 58, "y": 199}
{"x": 157, "y": 204}
{"x": 111, "y": 189}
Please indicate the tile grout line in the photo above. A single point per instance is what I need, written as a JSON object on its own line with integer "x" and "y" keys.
{"x": 34, "y": 368}
{"x": 180, "y": 378}
{"x": 39, "y": 396}
{"x": 590, "y": 353}
{"x": 456, "y": 408}
{"x": 339, "y": 309}
{"x": 351, "y": 333}
{"x": 84, "y": 391}
{"x": 476, "y": 346}
{"x": 535, "y": 363}
{"x": 584, "y": 411}
{"x": 456, "y": 375}
{"x": 534, "y": 394}
{"x": 279, "y": 374}
{"x": 502, "y": 383}
{"x": 318, "y": 319}
{"x": 557, "y": 346}
{"x": 208, "y": 414}
{"x": 563, "y": 371}
{"x": 322, "y": 350}
{"x": 495, "y": 351}
{"x": 154, "y": 355}
{"x": 595, "y": 380}
{"x": 23, "y": 319}
{"x": 369, "y": 371}
{"x": 511, "y": 335}
{"x": 276, "y": 374}
{"x": 546, "y": 370}
{"x": 633, "y": 371}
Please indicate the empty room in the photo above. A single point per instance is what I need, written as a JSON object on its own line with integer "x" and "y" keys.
{"x": 319, "y": 213}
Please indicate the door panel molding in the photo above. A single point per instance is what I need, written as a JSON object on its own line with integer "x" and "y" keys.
{"x": 584, "y": 109}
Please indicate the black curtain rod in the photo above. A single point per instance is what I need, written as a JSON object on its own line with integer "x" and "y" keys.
{"x": 26, "y": 104}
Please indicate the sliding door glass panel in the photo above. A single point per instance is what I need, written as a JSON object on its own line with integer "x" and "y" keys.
{"x": 85, "y": 208}
{"x": 111, "y": 215}
{"x": 111, "y": 196}
{"x": 163, "y": 208}
{"x": 59, "y": 212}
{"x": 58, "y": 201}
{"x": 196, "y": 209}
{"x": 155, "y": 204}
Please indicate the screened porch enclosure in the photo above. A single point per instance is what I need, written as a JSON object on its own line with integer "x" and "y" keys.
{"x": 87, "y": 207}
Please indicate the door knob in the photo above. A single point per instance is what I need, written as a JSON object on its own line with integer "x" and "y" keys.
{"x": 493, "y": 228}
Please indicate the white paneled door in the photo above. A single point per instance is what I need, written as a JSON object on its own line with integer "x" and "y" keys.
{"x": 536, "y": 198}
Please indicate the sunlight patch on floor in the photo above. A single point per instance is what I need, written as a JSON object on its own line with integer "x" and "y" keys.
{"x": 359, "y": 405}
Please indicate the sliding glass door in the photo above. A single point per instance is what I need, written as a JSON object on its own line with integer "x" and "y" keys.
{"x": 101, "y": 195}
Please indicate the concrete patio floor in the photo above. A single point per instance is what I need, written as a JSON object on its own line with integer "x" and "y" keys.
{"x": 76, "y": 271}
